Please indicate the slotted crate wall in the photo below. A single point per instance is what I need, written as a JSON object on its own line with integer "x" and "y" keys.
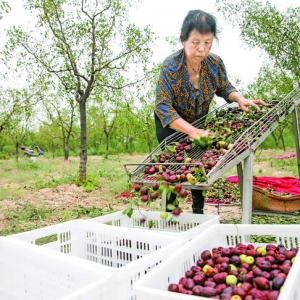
{"x": 28, "y": 272}
{"x": 126, "y": 252}
{"x": 185, "y": 226}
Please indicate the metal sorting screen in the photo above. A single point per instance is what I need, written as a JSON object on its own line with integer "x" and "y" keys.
{"x": 243, "y": 143}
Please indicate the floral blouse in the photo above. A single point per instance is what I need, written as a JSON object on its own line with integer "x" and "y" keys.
{"x": 177, "y": 97}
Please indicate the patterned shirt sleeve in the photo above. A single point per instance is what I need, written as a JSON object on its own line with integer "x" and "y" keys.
{"x": 164, "y": 99}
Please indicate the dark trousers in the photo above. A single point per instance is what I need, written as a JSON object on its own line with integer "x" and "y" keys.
{"x": 197, "y": 195}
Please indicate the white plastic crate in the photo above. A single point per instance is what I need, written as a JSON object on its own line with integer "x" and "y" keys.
{"x": 185, "y": 225}
{"x": 28, "y": 272}
{"x": 128, "y": 253}
{"x": 155, "y": 284}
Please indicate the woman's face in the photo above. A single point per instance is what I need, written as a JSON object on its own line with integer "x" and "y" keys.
{"x": 197, "y": 46}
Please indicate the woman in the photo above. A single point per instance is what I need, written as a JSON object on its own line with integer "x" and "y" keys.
{"x": 188, "y": 81}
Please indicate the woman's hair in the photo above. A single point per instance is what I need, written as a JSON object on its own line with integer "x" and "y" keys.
{"x": 199, "y": 20}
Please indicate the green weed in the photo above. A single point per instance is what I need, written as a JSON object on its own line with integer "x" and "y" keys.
{"x": 90, "y": 184}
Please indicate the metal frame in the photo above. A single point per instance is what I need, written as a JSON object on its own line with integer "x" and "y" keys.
{"x": 242, "y": 151}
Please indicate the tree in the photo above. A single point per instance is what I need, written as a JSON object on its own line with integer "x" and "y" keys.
{"x": 273, "y": 85}
{"x": 20, "y": 122}
{"x": 4, "y": 7}
{"x": 106, "y": 109}
{"x": 62, "y": 114}
{"x": 276, "y": 34}
{"x": 17, "y": 109}
{"x": 83, "y": 43}
{"x": 143, "y": 118}
{"x": 265, "y": 27}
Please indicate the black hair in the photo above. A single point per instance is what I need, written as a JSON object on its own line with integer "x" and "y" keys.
{"x": 199, "y": 20}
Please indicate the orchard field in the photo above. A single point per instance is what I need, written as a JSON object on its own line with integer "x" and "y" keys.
{"x": 44, "y": 192}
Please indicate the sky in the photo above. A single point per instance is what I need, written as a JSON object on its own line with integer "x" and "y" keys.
{"x": 165, "y": 18}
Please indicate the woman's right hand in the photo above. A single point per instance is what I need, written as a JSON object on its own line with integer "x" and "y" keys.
{"x": 200, "y": 132}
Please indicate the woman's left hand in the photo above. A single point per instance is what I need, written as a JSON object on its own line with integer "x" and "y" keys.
{"x": 244, "y": 103}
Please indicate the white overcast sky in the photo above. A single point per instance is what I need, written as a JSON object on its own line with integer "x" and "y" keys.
{"x": 165, "y": 17}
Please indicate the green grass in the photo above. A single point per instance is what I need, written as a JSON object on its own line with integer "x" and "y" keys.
{"x": 106, "y": 179}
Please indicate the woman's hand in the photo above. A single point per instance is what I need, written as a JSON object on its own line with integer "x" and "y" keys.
{"x": 187, "y": 128}
{"x": 244, "y": 103}
{"x": 199, "y": 132}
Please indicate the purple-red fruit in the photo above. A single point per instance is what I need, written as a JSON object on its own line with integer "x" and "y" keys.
{"x": 155, "y": 186}
{"x": 154, "y": 195}
{"x": 173, "y": 287}
{"x": 144, "y": 198}
{"x": 176, "y": 211}
{"x": 144, "y": 191}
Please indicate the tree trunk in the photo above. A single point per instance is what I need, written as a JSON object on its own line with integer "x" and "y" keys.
{"x": 17, "y": 152}
{"x": 149, "y": 142}
{"x": 283, "y": 144}
{"x": 53, "y": 150}
{"x": 66, "y": 148}
{"x": 83, "y": 151}
{"x": 282, "y": 138}
{"x": 106, "y": 146}
{"x": 275, "y": 139}
{"x": 130, "y": 145}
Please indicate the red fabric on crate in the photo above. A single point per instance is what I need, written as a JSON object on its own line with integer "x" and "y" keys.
{"x": 279, "y": 184}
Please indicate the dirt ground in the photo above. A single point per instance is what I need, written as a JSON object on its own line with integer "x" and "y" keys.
{"x": 70, "y": 196}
